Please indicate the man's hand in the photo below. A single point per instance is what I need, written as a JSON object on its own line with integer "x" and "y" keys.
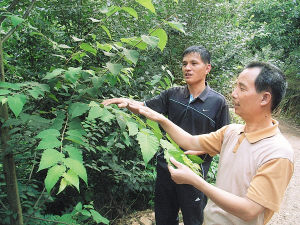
{"x": 182, "y": 174}
{"x": 147, "y": 112}
{"x": 123, "y": 103}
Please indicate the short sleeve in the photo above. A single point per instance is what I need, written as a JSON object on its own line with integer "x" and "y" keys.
{"x": 212, "y": 143}
{"x": 268, "y": 186}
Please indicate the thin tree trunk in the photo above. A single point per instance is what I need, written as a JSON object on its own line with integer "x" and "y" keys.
{"x": 9, "y": 168}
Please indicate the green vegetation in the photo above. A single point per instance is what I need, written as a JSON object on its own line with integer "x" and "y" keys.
{"x": 65, "y": 157}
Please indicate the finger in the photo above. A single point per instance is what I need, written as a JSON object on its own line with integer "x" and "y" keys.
{"x": 123, "y": 105}
{"x": 192, "y": 152}
{"x": 105, "y": 102}
{"x": 171, "y": 168}
{"x": 109, "y": 101}
{"x": 176, "y": 163}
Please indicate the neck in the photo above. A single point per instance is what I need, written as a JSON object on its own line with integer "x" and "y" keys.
{"x": 258, "y": 122}
{"x": 196, "y": 90}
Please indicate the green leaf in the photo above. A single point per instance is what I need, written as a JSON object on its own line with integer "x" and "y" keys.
{"x": 4, "y": 92}
{"x": 50, "y": 157}
{"x": 163, "y": 38}
{"x": 149, "y": 144}
{"x": 106, "y": 116}
{"x": 98, "y": 218}
{"x": 131, "y": 55}
{"x": 150, "y": 40}
{"x": 155, "y": 128}
{"x": 171, "y": 151}
{"x": 177, "y": 26}
{"x": 35, "y": 92}
{"x": 77, "y": 167}
{"x": 87, "y": 47}
{"x": 78, "y": 56}
{"x": 15, "y": 20}
{"x": 85, "y": 213}
{"x": 43, "y": 87}
{"x": 72, "y": 178}
{"x": 73, "y": 74}
{"x": 58, "y": 121}
{"x": 147, "y": 4}
{"x": 105, "y": 47}
{"x": 121, "y": 119}
{"x": 78, "y": 207}
{"x": 63, "y": 185}
{"x": 131, "y": 11}
{"x": 16, "y": 103}
{"x": 107, "y": 31}
{"x": 53, "y": 74}
{"x": 77, "y": 109}
{"x": 112, "y": 10}
{"x": 75, "y": 124}
{"x": 132, "y": 128}
{"x": 74, "y": 153}
{"x": 114, "y": 68}
{"x": 136, "y": 42}
{"x": 10, "y": 86}
{"x": 193, "y": 166}
{"x": 47, "y": 133}
{"x": 76, "y": 136}
{"x": 195, "y": 159}
{"x": 95, "y": 112}
{"x": 48, "y": 143}
{"x": 53, "y": 175}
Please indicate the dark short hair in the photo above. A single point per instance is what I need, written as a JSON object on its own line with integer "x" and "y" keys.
{"x": 203, "y": 52}
{"x": 270, "y": 79}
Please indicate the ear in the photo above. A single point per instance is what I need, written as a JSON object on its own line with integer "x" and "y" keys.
{"x": 266, "y": 98}
{"x": 208, "y": 68}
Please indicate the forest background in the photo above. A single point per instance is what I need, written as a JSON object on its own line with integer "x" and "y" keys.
{"x": 65, "y": 157}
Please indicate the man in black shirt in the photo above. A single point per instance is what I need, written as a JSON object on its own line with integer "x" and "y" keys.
{"x": 197, "y": 109}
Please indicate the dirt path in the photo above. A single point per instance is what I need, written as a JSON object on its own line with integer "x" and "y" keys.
{"x": 289, "y": 213}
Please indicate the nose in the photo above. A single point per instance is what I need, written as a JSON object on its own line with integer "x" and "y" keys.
{"x": 187, "y": 67}
{"x": 234, "y": 93}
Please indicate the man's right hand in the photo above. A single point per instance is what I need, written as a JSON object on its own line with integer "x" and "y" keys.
{"x": 147, "y": 112}
{"x": 123, "y": 103}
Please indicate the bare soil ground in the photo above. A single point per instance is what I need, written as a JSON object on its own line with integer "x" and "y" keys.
{"x": 289, "y": 213}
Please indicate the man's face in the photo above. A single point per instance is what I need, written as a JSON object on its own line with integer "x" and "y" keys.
{"x": 194, "y": 69}
{"x": 245, "y": 98}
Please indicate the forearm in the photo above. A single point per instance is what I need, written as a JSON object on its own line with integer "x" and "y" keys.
{"x": 180, "y": 136}
{"x": 241, "y": 207}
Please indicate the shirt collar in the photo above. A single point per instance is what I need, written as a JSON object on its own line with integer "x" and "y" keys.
{"x": 203, "y": 96}
{"x": 258, "y": 135}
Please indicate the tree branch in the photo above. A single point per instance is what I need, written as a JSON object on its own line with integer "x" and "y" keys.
{"x": 26, "y": 14}
{"x": 11, "y": 8}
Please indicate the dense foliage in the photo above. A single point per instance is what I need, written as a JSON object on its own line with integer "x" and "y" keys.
{"x": 77, "y": 162}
